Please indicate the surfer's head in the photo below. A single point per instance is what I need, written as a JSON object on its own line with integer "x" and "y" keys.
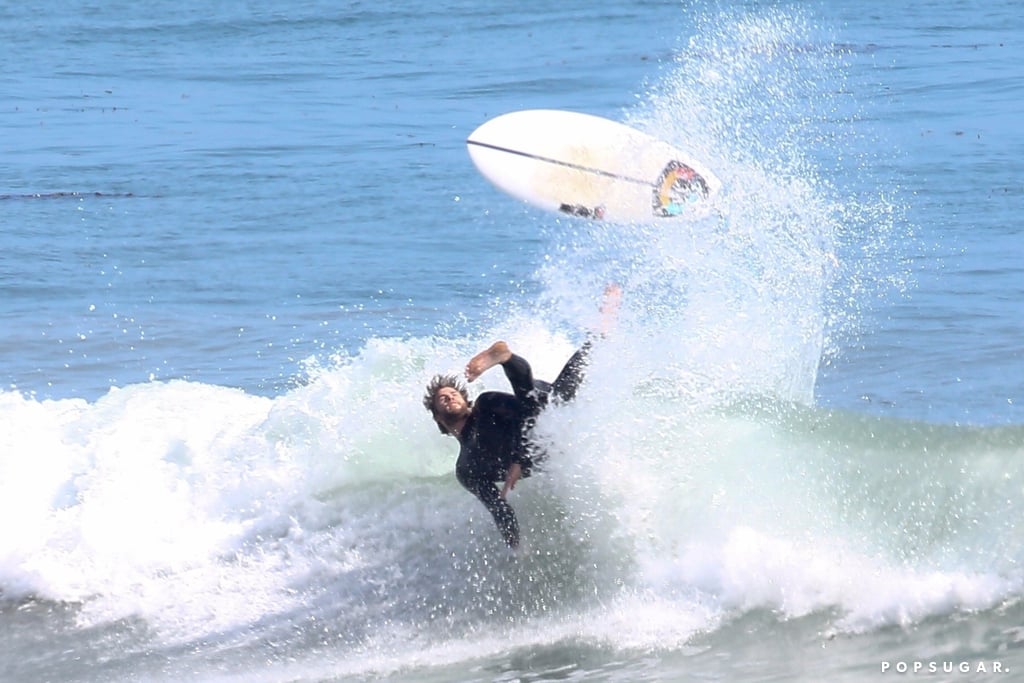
{"x": 447, "y": 400}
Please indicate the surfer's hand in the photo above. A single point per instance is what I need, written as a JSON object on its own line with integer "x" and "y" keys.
{"x": 514, "y": 473}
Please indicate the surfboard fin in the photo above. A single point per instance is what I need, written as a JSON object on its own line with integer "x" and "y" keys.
{"x": 582, "y": 211}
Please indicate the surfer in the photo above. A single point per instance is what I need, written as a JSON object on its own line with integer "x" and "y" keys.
{"x": 493, "y": 431}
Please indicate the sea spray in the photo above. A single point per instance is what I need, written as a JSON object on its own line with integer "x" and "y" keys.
{"x": 676, "y": 451}
{"x": 692, "y": 481}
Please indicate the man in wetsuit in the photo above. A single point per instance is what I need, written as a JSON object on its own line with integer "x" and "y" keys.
{"x": 493, "y": 431}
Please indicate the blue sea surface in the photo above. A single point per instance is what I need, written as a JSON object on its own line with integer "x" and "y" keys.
{"x": 238, "y": 238}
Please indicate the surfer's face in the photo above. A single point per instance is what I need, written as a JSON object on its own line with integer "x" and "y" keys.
{"x": 448, "y": 402}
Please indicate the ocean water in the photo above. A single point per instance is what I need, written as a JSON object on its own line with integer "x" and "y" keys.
{"x": 238, "y": 238}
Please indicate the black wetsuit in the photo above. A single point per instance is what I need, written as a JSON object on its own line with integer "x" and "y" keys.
{"x": 496, "y": 434}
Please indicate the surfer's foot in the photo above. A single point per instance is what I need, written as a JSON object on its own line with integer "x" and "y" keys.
{"x": 610, "y": 308}
{"x": 496, "y": 354}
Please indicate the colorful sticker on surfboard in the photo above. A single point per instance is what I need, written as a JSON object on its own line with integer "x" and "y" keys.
{"x": 678, "y": 187}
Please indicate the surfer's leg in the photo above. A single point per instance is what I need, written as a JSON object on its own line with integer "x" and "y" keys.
{"x": 571, "y": 376}
{"x": 496, "y": 354}
{"x": 610, "y": 308}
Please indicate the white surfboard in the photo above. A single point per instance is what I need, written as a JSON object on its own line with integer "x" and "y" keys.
{"x": 585, "y": 165}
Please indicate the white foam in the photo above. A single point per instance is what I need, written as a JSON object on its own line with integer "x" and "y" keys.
{"x": 200, "y": 509}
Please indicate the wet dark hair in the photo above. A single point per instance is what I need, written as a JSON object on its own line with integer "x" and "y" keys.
{"x": 437, "y": 383}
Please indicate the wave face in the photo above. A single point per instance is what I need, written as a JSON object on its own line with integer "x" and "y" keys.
{"x": 328, "y": 517}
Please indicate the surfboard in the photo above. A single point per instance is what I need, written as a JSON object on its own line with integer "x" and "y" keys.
{"x": 586, "y": 165}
